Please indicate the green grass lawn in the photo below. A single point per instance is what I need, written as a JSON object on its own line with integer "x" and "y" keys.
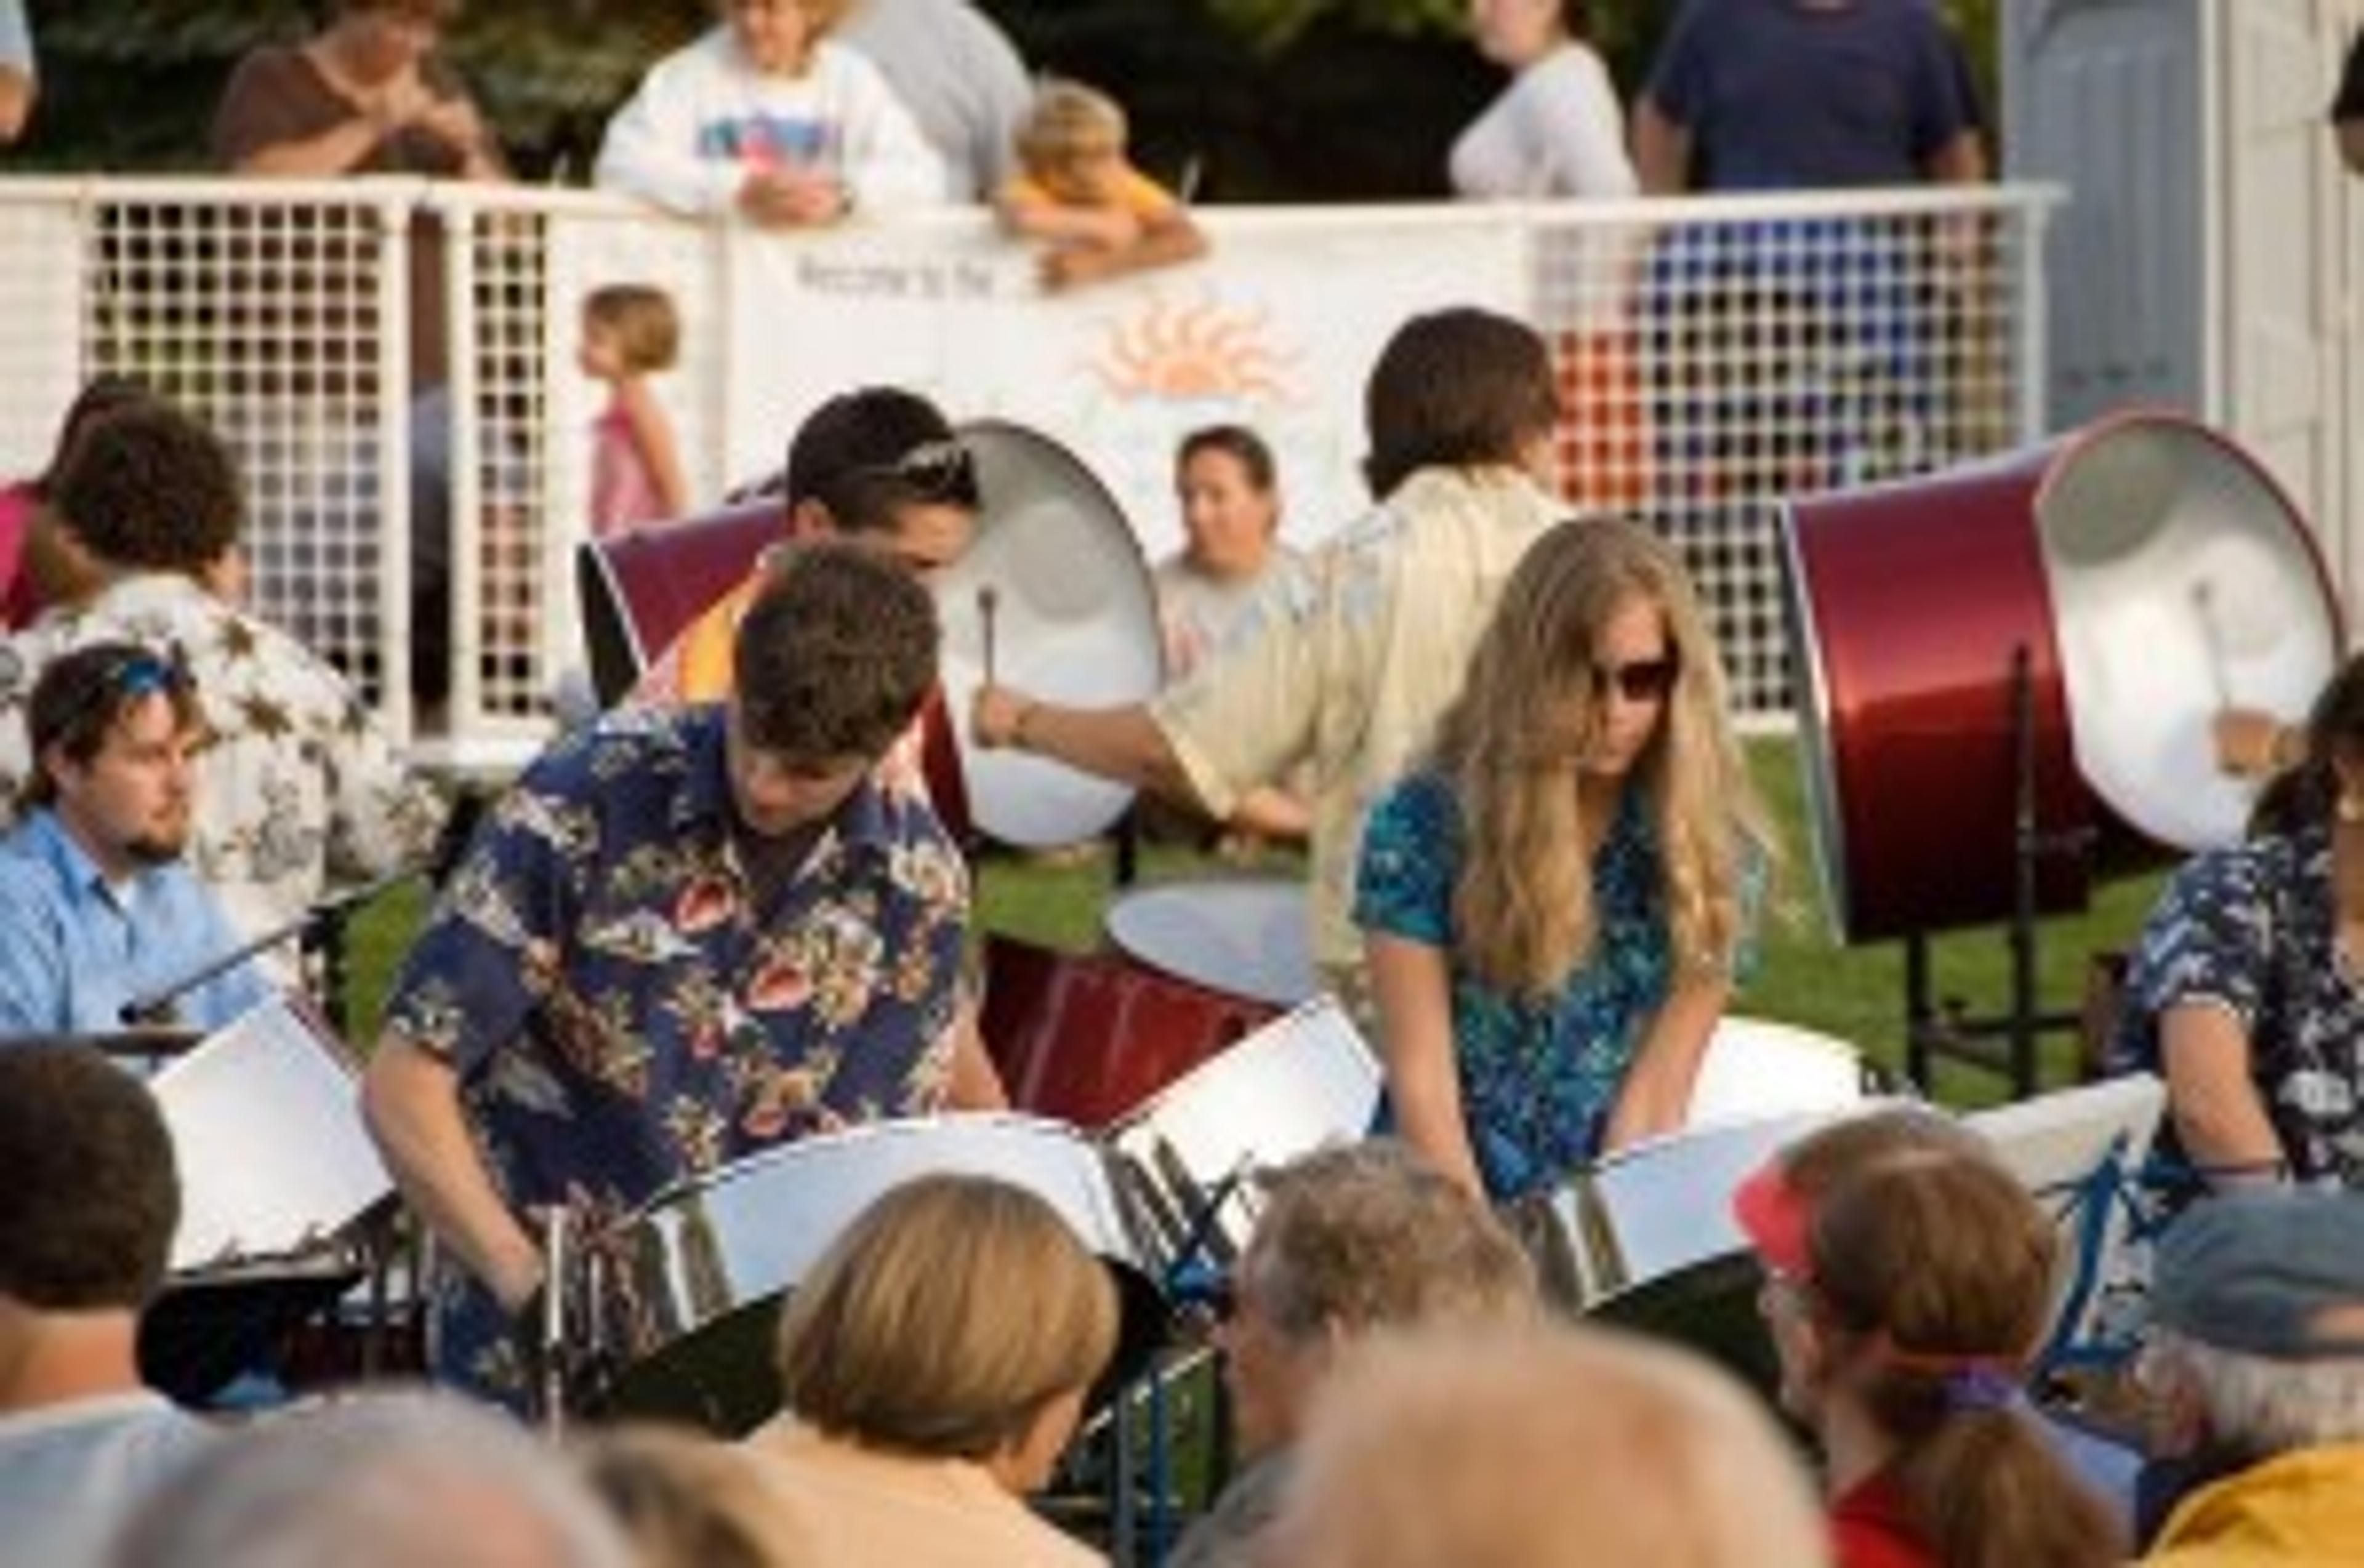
{"x": 1803, "y": 976}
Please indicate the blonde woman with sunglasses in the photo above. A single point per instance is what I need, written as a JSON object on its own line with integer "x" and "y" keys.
{"x": 1554, "y": 901}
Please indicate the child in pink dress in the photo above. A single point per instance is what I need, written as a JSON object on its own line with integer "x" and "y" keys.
{"x": 629, "y": 333}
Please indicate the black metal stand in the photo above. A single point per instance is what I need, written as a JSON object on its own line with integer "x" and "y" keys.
{"x": 2003, "y": 1043}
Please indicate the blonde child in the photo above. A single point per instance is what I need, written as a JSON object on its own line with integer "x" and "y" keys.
{"x": 1096, "y": 215}
{"x": 629, "y": 333}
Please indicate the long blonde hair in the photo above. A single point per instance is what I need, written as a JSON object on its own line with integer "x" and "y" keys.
{"x": 1511, "y": 745}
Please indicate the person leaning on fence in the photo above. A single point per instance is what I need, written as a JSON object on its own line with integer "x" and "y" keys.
{"x": 1908, "y": 1282}
{"x": 1552, "y": 1447}
{"x": 93, "y": 1199}
{"x": 2239, "y": 992}
{"x": 1556, "y": 899}
{"x": 1078, "y": 198}
{"x": 767, "y": 116}
{"x": 2256, "y": 1367}
{"x": 1349, "y": 676}
{"x": 1350, "y": 1243}
{"x": 934, "y": 1365}
{"x": 299, "y": 786}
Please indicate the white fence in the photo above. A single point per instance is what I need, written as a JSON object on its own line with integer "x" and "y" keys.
{"x": 1712, "y": 353}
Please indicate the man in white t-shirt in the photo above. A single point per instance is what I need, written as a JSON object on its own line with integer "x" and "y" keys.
{"x": 84, "y": 1230}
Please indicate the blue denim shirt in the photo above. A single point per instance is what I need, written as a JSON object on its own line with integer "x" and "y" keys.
{"x": 74, "y": 947}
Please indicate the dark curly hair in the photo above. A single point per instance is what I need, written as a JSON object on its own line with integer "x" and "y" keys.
{"x": 150, "y": 487}
{"x": 87, "y": 1165}
{"x": 835, "y": 655}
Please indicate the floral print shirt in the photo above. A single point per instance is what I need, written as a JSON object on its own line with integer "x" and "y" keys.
{"x": 625, "y": 1017}
{"x": 2253, "y": 929}
{"x": 298, "y": 783}
{"x": 1539, "y": 1076}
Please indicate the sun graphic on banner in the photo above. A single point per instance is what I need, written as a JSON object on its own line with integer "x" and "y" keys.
{"x": 1198, "y": 352}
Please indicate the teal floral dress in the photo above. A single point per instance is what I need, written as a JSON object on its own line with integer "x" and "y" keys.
{"x": 1538, "y": 1075}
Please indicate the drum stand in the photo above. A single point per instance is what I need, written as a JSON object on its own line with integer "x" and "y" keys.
{"x": 1946, "y": 1029}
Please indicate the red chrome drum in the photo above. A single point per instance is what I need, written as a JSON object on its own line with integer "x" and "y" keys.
{"x": 2152, "y": 573}
{"x": 1085, "y": 1037}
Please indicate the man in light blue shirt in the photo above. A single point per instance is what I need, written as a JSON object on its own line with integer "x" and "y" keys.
{"x": 97, "y": 908}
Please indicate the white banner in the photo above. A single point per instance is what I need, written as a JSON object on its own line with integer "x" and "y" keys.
{"x": 1277, "y": 331}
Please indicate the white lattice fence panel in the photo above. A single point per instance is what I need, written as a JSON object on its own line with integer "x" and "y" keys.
{"x": 1772, "y": 348}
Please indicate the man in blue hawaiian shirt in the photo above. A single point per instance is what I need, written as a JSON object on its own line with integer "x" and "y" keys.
{"x": 686, "y": 934}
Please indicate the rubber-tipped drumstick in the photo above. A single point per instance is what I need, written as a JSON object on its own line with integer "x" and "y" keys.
{"x": 988, "y": 599}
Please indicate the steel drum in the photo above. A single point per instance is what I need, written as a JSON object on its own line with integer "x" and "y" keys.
{"x": 1087, "y": 1037}
{"x": 1301, "y": 1082}
{"x": 706, "y": 1266}
{"x": 1244, "y": 937}
{"x": 641, "y": 590}
{"x": 1074, "y": 620}
{"x": 274, "y": 1161}
{"x": 1756, "y": 1068}
{"x": 2150, "y": 572}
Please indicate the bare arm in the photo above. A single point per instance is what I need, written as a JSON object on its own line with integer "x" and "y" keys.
{"x": 2219, "y": 1117}
{"x": 1662, "y": 150}
{"x": 1119, "y": 743}
{"x": 1271, "y": 812}
{"x": 411, "y": 1099}
{"x": 1030, "y": 218}
{"x": 1412, "y": 991}
{"x": 1164, "y": 242}
{"x": 652, "y": 434}
{"x": 975, "y": 1084}
{"x": 1655, "y": 1097}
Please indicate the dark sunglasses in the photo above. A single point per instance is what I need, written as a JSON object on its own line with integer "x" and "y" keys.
{"x": 1644, "y": 681}
{"x": 938, "y": 471}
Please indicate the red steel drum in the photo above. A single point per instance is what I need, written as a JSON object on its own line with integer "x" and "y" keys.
{"x": 2152, "y": 571}
{"x": 1087, "y": 1037}
{"x": 641, "y": 589}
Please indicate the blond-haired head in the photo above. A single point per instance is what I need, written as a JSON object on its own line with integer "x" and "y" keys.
{"x": 946, "y": 1319}
{"x": 1512, "y": 745}
{"x": 1068, "y": 124}
{"x": 1547, "y": 1448}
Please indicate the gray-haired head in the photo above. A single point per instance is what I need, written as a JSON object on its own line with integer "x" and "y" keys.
{"x": 380, "y": 1480}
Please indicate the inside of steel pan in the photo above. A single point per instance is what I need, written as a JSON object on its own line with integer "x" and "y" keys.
{"x": 1240, "y": 936}
{"x": 1708, "y": 1307}
{"x": 1075, "y": 621}
{"x": 711, "y": 1262}
{"x": 2183, "y": 580}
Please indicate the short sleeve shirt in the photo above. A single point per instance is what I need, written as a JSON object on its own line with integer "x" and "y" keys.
{"x": 2252, "y": 930}
{"x": 1785, "y": 96}
{"x": 623, "y": 1015}
{"x": 1350, "y": 669}
{"x": 1539, "y": 1075}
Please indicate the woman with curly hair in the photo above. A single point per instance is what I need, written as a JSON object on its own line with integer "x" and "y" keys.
{"x": 1553, "y": 902}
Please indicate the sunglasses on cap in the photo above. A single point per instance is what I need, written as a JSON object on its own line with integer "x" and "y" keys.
{"x": 1642, "y": 681}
